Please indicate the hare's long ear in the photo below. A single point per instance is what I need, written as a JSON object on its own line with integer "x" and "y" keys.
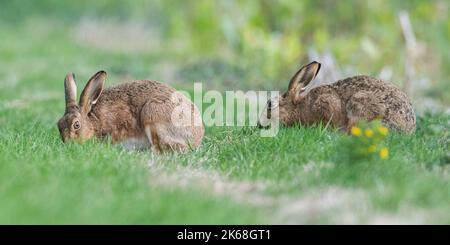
{"x": 70, "y": 88}
{"x": 92, "y": 91}
{"x": 302, "y": 78}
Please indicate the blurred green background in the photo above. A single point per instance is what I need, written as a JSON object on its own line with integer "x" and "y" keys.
{"x": 231, "y": 44}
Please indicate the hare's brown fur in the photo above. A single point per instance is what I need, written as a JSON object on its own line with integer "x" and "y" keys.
{"x": 345, "y": 102}
{"x": 358, "y": 98}
{"x": 122, "y": 115}
{"x": 141, "y": 110}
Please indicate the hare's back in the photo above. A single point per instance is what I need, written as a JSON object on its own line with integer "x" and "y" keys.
{"x": 137, "y": 93}
{"x": 349, "y": 86}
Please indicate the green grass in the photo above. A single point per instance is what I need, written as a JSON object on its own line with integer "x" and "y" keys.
{"x": 45, "y": 181}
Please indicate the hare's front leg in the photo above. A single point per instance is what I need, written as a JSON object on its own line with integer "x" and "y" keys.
{"x": 363, "y": 106}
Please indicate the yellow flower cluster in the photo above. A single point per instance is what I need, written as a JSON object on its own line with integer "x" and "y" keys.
{"x": 356, "y": 131}
{"x": 369, "y": 138}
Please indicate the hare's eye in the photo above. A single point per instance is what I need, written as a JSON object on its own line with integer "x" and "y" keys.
{"x": 76, "y": 125}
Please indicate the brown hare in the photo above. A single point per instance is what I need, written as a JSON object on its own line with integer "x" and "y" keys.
{"x": 341, "y": 104}
{"x": 137, "y": 114}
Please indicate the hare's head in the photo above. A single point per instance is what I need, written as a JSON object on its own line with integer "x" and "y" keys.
{"x": 285, "y": 108}
{"x": 75, "y": 124}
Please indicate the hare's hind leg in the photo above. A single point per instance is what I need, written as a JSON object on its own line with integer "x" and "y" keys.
{"x": 169, "y": 138}
{"x": 163, "y": 135}
{"x": 150, "y": 132}
{"x": 363, "y": 106}
{"x": 162, "y": 140}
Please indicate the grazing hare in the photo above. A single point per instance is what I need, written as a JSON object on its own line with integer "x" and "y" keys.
{"x": 342, "y": 104}
{"x": 139, "y": 113}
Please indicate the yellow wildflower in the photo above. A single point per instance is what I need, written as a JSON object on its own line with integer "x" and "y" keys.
{"x": 368, "y": 132}
{"x": 356, "y": 131}
{"x": 372, "y": 149}
{"x": 384, "y": 153}
{"x": 383, "y": 130}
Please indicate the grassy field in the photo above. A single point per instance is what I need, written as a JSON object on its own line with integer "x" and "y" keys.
{"x": 235, "y": 177}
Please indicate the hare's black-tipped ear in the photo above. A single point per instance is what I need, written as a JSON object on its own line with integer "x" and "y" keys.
{"x": 70, "y": 89}
{"x": 92, "y": 91}
{"x": 303, "y": 77}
